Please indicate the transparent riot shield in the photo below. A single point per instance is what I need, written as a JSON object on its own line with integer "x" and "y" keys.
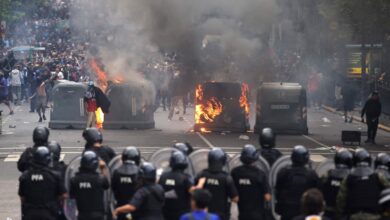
{"x": 160, "y": 159}
{"x": 199, "y": 161}
{"x": 281, "y": 163}
{"x": 261, "y": 163}
{"x": 70, "y": 207}
{"x": 324, "y": 167}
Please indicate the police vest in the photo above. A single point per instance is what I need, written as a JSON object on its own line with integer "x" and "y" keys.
{"x": 332, "y": 185}
{"x": 363, "y": 193}
{"x": 176, "y": 186}
{"x": 124, "y": 182}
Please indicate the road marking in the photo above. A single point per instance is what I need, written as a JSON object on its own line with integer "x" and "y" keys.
{"x": 205, "y": 140}
{"x": 317, "y": 142}
{"x": 317, "y": 158}
{"x": 12, "y": 158}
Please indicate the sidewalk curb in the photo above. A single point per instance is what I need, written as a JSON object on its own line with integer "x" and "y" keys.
{"x": 333, "y": 110}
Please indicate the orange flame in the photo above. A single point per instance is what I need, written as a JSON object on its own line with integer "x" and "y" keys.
{"x": 206, "y": 110}
{"x": 101, "y": 75}
{"x": 244, "y": 98}
{"x": 99, "y": 118}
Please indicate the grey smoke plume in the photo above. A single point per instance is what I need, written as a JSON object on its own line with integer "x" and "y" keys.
{"x": 212, "y": 40}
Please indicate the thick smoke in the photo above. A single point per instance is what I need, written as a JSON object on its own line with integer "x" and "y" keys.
{"x": 207, "y": 40}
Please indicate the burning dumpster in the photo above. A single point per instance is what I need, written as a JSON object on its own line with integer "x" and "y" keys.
{"x": 68, "y": 106}
{"x": 131, "y": 106}
{"x": 282, "y": 107}
{"x": 221, "y": 106}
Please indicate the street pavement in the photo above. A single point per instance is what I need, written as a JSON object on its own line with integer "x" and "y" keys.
{"x": 324, "y": 133}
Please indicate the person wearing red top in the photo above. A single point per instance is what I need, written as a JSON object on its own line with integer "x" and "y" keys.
{"x": 90, "y": 105}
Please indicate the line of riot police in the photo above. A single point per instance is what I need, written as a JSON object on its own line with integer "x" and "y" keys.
{"x": 100, "y": 185}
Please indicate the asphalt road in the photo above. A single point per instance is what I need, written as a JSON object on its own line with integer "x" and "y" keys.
{"x": 324, "y": 133}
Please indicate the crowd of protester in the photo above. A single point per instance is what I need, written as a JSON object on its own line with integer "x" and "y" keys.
{"x": 351, "y": 189}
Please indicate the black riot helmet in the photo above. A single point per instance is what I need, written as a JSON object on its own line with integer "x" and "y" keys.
{"x": 148, "y": 172}
{"x": 41, "y": 135}
{"x": 89, "y": 160}
{"x": 217, "y": 158}
{"x": 382, "y": 161}
{"x": 55, "y": 150}
{"x": 178, "y": 160}
{"x": 131, "y": 154}
{"x": 361, "y": 157}
{"x": 42, "y": 156}
{"x": 300, "y": 156}
{"x": 92, "y": 136}
{"x": 186, "y": 147}
{"x": 343, "y": 158}
{"x": 249, "y": 154}
{"x": 267, "y": 138}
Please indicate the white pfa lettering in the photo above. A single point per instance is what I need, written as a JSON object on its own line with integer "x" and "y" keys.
{"x": 126, "y": 180}
{"x": 335, "y": 183}
{"x": 36, "y": 177}
{"x": 170, "y": 182}
{"x": 245, "y": 182}
{"x": 85, "y": 185}
{"x": 214, "y": 182}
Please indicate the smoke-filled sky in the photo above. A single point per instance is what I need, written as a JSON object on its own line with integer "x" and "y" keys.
{"x": 218, "y": 40}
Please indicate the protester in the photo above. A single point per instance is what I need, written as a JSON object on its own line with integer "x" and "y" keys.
{"x": 200, "y": 201}
{"x": 372, "y": 109}
{"x": 312, "y": 204}
{"x": 4, "y": 93}
{"x": 16, "y": 83}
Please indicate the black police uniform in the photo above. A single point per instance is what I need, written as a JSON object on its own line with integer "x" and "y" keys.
{"x": 60, "y": 167}
{"x": 148, "y": 202}
{"x": 40, "y": 188}
{"x": 221, "y": 186}
{"x": 270, "y": 155}
{"x": 105, "y": 153}
{"x": 26, "y": 159}
{"x": 88, "y": 187}
{"x": 291, "y": 183}
{"x": 330, "y": 189}
{"x": 252, "y": 185}
{"x": 176, "y": 184}
{"x": 124, "y": 181}
{"x": 364, "y": 189}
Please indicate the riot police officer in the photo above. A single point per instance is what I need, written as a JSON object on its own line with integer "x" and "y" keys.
{"x": 361, "y": 189}
{"x": 252, "y": 186}
{"x": 125, "y": 179}
{"x": 148, "y": 201}
{"x": 88, "y": 187}
{"x": 177, "y": 186}
{"x": 57, "y": 165}
{"x": 343, "y": 161}
{"x": 382, "y": 165}
{"x": 186, "y": 148}
{"x": 40, "y": 138}
{"x": 292, "y": 182}
{"x": 40, "y": 188}
{"x": 267, "y": 143}
{"x": 94, "y": 139}
{"x": 219, "y": 183}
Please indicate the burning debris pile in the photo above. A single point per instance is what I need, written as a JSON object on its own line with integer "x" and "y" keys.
{"x": 221, "y": 106}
